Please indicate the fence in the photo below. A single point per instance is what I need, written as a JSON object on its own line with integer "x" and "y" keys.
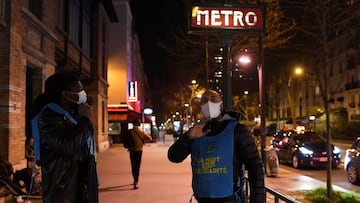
{"x": 276, "y": 196}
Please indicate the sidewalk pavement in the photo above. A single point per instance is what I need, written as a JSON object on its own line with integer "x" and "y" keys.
{"x": 166, "y": 182}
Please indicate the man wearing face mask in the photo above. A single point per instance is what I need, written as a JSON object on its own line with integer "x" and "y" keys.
{"x": 64, "y": 141}
{"x": 221, "y": 150}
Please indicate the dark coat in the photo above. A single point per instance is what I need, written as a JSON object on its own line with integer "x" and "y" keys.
{"x": 68, "y": 168}
{"x": 246, "y": 154}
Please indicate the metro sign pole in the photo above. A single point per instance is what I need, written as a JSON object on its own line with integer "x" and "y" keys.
{"x": 229, "y": 19}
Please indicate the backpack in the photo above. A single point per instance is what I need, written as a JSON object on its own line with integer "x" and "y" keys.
{"x": 128, "y": 140}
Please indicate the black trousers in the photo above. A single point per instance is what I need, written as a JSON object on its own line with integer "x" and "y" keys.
{"x": 135, "y": 158}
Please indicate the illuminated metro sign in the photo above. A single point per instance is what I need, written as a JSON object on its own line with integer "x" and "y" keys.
{"x": 132, "y": 91}
{"x": 246, "y": 19}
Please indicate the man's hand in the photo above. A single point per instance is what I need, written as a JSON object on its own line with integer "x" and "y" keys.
{"x": 197, "y": 132}
{"x": 86, "y": 111}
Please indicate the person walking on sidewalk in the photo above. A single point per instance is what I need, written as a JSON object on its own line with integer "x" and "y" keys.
{"x": 64, "y": 142}
{"x": 221, "y": 150}
{"x": 140, "y": 137}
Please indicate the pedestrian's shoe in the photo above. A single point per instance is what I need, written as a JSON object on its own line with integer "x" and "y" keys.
{"x": 135, "y": 186}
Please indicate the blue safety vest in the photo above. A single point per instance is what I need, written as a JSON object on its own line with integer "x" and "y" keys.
{"x": 212, "y": 164}
{"x": 35, "y": 126}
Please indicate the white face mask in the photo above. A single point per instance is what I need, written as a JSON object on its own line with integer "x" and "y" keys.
{"x": 82, "y": 97}
{"x": 211, "y": 110}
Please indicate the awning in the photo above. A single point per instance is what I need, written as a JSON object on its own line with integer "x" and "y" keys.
{"x": 123, "y": 113}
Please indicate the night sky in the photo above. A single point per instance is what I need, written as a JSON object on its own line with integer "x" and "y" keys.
{"x": 155, "y": 21}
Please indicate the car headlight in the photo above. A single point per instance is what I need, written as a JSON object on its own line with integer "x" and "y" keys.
{"x": 336, "y": 150}
{"x": 305, "y": 150}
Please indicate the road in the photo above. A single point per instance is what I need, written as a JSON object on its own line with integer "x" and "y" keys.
{"x": 338, "y": 176}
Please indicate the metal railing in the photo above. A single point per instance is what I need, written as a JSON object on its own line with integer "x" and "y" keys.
{"x": 271, "y": 195}
{"x": 278, "y": 196}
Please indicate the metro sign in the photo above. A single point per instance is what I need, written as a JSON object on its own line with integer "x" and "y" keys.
{"x": 248, "y": 19}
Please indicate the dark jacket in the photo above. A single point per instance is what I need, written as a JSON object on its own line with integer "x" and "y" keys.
{"x": 68, "y": 168}
{"x": 246, "y": 154}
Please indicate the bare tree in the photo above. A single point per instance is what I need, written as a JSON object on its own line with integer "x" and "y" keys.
{"x": 193, "y": 50}
{"x": 247, "y": 106}
{"x": 323, "y": 23}
{"x": 274, "y": 94}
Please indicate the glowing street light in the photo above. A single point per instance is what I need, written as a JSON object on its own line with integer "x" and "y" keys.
{"x": 148, "y": 111}
{"x": 244, "y": 59}
{"x": 298, "y": 71}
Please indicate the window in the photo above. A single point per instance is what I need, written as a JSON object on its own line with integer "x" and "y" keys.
{"x": 283, "y": 113}
{"x": 35, "y": 6}
{"x": 331, "y": 69}
{"x": 61, "y": 15}
{"x": 86, "y": 36}
{"x": 103, "y": 109}
{"x": 288, "y": 112}
{"x": 103, "y": 56}
{"x": 300, "y": 107}
{"x": 341, "y": 67}
{"x": 317, "y": 90}
{"x": 74, "y": 20}
{"x": 2, "y": 13}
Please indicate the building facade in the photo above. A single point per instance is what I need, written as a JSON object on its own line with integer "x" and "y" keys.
{"x": 343, "y": 85}
{"x": 129, "y": 91}
{"x": 39, "y": 38}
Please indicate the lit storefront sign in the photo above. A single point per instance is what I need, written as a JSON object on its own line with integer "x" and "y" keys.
{"x": 133, "y": 91}
{"x": 249, "y": 19}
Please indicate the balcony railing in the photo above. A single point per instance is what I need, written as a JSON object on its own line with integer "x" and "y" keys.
{"x": 352, "y": 85}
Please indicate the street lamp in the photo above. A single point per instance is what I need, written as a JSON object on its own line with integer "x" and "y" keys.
{"x": 246, "y": 105}
{"x": 294, "y": 92}
{"x": 298, "y": 71}
{"x": 245, "y": 59}
{"x": 147, "y": 111}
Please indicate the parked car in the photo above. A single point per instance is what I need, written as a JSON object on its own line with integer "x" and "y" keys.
{"x": 305, "y": 149}
{"x": 352, "y": 163}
